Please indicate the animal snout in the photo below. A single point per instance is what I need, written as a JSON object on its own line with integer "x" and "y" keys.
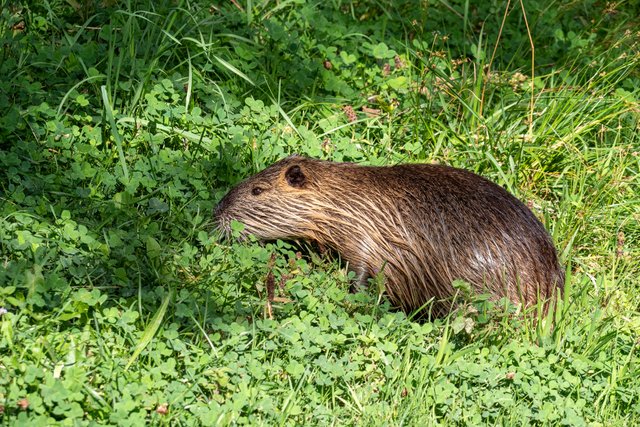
{"x": 220, "y": 208}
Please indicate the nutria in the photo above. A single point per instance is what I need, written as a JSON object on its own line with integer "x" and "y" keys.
{"x": 424, "y": 225}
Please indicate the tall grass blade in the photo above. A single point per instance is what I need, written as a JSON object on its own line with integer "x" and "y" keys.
{"x": 114, "y": 130}
{"x": 151, "y": 329}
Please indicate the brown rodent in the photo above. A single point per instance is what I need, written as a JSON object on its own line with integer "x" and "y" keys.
{"x": 424, "y": 225}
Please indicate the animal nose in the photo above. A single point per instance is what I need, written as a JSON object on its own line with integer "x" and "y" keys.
{"x": 218, "y": 209}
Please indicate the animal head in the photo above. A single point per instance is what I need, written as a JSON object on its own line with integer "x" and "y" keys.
{"x": 274, "y": 203}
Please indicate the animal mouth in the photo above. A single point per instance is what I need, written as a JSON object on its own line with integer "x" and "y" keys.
{"x": 223, "y": 226}
{"x": 220, "y": 207}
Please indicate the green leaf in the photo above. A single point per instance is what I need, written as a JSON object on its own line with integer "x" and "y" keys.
{"x": 382, "y": 51}
{"x": 347, "y": 58}
{"x": 154, "y": 250}
{"x": 295, "y": 368}
{"x": 82, "y": 100}
{"x": 397, "y": 83}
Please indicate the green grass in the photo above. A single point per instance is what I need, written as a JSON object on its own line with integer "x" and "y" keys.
{"x": 121, "y": 126}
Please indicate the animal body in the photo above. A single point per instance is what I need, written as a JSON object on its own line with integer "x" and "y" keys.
{"x": 423, "y": 225}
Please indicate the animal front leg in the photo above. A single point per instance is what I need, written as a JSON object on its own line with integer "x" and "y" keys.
{"x": 361, "y": 278}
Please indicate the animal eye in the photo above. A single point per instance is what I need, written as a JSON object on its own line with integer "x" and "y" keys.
{"x": 256, "y": 190}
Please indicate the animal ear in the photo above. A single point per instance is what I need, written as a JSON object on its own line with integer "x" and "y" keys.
{"x": 295, "y": 177}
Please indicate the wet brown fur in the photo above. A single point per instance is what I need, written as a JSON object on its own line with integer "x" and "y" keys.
{"x": 426, "y": 225}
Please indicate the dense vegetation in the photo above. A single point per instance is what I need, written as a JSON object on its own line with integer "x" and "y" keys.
{"x": 123, "y": 123}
